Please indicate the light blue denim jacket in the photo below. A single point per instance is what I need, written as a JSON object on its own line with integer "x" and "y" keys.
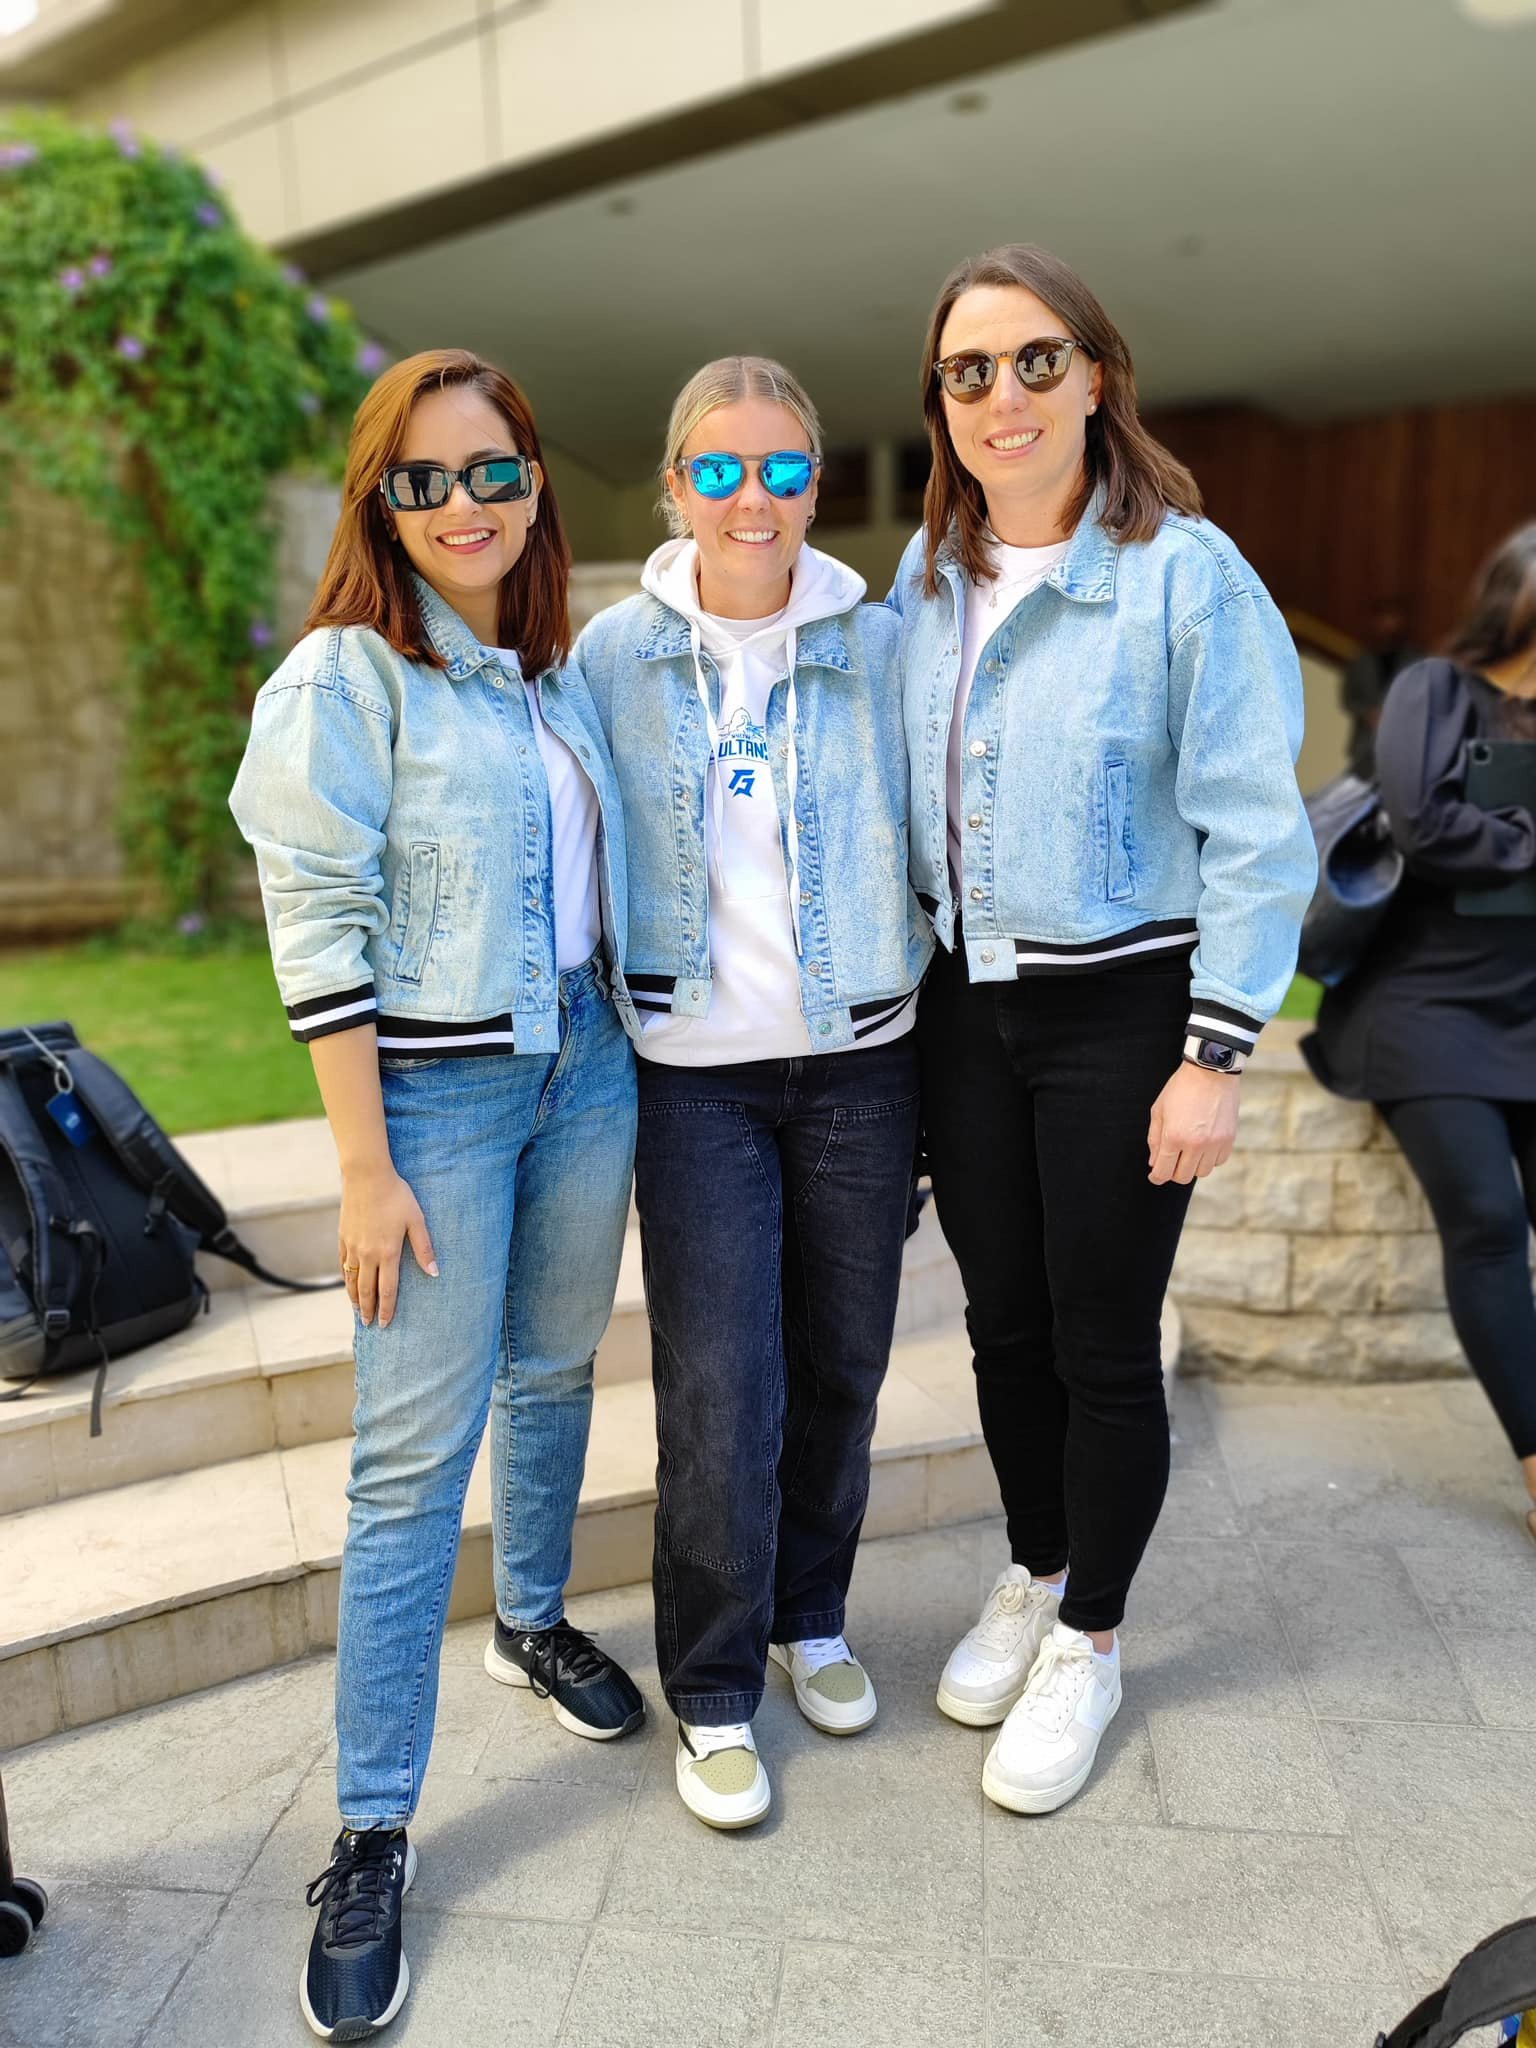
{"x": 1129, "y": 772}
{"x": 863, "y": 937}
{"x": 400, "y": 817}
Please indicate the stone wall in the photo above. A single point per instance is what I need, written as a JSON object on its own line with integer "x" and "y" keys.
{"x": 1311, "y": 1254}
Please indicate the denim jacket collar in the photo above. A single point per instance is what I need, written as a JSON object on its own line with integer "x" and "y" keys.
{"x": 1086, "y": 573}
{"x": 821, "y": 643}
{"x": 449, "y": 634}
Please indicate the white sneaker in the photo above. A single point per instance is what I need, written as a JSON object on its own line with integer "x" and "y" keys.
{"x": 720, "y": 1776}
{"x": 1045, "y": 1749}
{"x": 987, "y": 1668}
{"x": 832, "y": 1688}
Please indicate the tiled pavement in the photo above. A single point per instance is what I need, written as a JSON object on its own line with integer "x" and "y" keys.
{"x": 1321, "y": 1790}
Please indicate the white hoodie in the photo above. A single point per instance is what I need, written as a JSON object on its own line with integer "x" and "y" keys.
{"x": 754, "y": 1005}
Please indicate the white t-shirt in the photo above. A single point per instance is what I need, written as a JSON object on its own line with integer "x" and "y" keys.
{"x": 1016, "y": 572}
{"x": 573, "y": 826}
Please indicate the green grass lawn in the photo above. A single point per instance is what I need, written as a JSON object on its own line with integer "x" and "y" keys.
{"x": 199, "y": 1035}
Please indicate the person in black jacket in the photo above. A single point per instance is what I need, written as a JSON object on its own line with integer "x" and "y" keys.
{"x": 1437, "y": 1025}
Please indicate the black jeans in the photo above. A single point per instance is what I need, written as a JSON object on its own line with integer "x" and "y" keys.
{"x": 773, "y": 1204}
{"x": 1036, "y": 1099}
{"x": 1476, "y": 1162}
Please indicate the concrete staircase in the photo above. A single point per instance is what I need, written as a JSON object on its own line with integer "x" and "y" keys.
{"x": 199, "y": 1537}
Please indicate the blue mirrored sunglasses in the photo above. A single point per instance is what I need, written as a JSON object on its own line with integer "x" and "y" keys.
{"x": 789, "y": 473}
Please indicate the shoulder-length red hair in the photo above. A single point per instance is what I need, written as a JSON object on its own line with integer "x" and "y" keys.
{"x": 367, "y": 575}
{"x": 1141, "y": 480}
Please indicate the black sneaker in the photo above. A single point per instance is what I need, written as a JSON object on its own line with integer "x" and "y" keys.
{"x": 591, "y": 1695}
{"x": 356, "y": 1977}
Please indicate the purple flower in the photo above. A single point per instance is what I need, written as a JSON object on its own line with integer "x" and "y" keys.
{"x": 191, "y": 924}
{"x": 214, "y": 178}
{"x": 15, "y": 156}
{"x": 100, "y": 265}
{"x": 210, "y": 215}
{"x": 310, "y": 402}
{"x": 291, "y": 274}
{"x": 371, "y": 358}
{"x": 261, "y": 634}
{"x": 130, "y": 348}
{"x": 128, "y": 143}
{"x": 319, "y": 307}
{"x": 72, "y": 278}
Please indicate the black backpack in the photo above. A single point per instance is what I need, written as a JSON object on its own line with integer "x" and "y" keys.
{"x": 100, "y": 1217}
{"x": 1496, "y": 1979}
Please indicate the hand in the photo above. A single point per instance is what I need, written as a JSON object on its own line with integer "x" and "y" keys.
{"x": 1194, "y": 1122}
{"x": 378, "y": 1213}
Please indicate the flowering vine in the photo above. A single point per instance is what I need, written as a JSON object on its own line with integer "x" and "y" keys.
{"x": 161, "y": 368}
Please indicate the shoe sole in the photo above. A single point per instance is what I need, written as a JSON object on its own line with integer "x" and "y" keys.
{"x": 979, "y": 1713}
{"x": 360, "y": 2029}
{"x": 827, "y": 1727}
{"x": 505, "y": 1672}
{"x": 1001, "y": 1793}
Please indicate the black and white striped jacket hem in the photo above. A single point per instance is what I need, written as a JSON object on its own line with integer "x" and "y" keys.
{"x": 652, "y": 995}
{"x": 400, "y": 1037}
{"x": 1207, "y": 1019}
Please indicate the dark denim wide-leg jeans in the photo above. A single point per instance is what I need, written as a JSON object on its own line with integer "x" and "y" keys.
{"x": 773, "y": 1203}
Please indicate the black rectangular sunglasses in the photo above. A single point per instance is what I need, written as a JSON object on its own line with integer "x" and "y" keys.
{"x": 425, "y": 486}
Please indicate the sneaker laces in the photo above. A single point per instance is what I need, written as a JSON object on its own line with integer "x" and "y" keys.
{"x": 1056, "y": 1684}
{"x": 820, "y": 1651}
{"x": 998, "y": 1627}
{"x": 354, "y": 1886}
{"x": 563, "y": 1648}
{"x": 703, "y": 1742}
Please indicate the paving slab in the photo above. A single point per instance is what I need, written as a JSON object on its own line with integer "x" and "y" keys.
{"x": 689, "y": 1990}
{"x": 1036, "y": 2008}
{"x": 101, "y": 1964}
{"x": 1254, "y": 1771}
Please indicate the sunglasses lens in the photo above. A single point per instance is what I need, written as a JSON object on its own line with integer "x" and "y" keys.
{"x": 716, "y": 476}
{"x": 494, "y": 483}
{"x": 970, "y": 375}
{"x": 787, "y": 474}
{"x": 417, "y": 486}
{"x": 1042, "y": 364}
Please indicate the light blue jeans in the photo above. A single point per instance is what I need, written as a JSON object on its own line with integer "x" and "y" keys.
{"x": 522, "y": 1166}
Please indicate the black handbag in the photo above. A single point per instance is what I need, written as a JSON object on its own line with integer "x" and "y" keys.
{"x": 1358, "y": 871}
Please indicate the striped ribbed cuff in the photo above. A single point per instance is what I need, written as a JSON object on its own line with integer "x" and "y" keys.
{"x": 1227, "y": 1026}
{"x": 342, "y": 1010}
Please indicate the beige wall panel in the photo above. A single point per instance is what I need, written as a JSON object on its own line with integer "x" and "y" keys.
{"x": 251, "y": 167}
{"x": 323, "y": 40}
{"x": 407, "y": 132}
{"x": 581, "y": 68}
{"x": 793, "y": 35}
{"x": 204, "y": 85}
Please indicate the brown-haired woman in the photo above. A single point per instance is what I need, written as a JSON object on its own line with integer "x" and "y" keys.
{"x": 441, "y": 855}
{"x": 1437, "y": 1025}
{"x": 1103, "y": 710}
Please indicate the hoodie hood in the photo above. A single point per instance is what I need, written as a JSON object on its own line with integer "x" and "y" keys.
{"x": 821, "y": 587}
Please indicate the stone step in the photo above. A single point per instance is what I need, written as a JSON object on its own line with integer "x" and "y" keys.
{"x": 265, "y": 1371}
{"x": 281, "y": 1187}
{"x": 114, "y": 1600}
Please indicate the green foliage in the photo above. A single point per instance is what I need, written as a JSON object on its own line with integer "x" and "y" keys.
{"x": 162, "y": 368}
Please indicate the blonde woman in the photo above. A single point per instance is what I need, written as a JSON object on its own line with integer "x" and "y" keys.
{"x": 775, "y": 948}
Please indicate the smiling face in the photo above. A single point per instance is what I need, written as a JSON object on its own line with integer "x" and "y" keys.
{"x": 463, "y": 549}
{"x": 748, "y": 543}
{"x": 1025, "y": 448}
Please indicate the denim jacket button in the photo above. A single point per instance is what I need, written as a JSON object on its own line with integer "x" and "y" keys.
{"x": 533, "y": 974}
{"x": 693, "y": 996}
{"x": 978, "y": 748}
{"x": 805, "y": 895}
{"x": 825, "y": 1030}
{"x": 974, "y": 821}
{"x": 814, "y": 967}
{"x": 975, "y": 895}
{"x": 987, "y": 956}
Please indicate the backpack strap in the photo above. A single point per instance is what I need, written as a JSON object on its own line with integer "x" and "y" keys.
{"x": 1492, "y": 1981}
{"x": 150, "y": 1158}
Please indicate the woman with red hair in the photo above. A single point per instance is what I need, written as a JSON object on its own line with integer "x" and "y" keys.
{"x": 441, "y": 853}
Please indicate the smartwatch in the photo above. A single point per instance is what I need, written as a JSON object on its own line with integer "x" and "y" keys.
{"x": 1213, "y": 1056}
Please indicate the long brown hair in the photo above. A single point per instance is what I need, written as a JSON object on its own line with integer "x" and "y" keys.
{"x": 367, "y": 575}
{"x": 1141, "y": 480}
{"x": 1500, "y": 620}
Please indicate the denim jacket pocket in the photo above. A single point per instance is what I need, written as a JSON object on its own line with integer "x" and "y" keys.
{"x": 420, "y": 910}
{"x": 1117, "y": 809}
